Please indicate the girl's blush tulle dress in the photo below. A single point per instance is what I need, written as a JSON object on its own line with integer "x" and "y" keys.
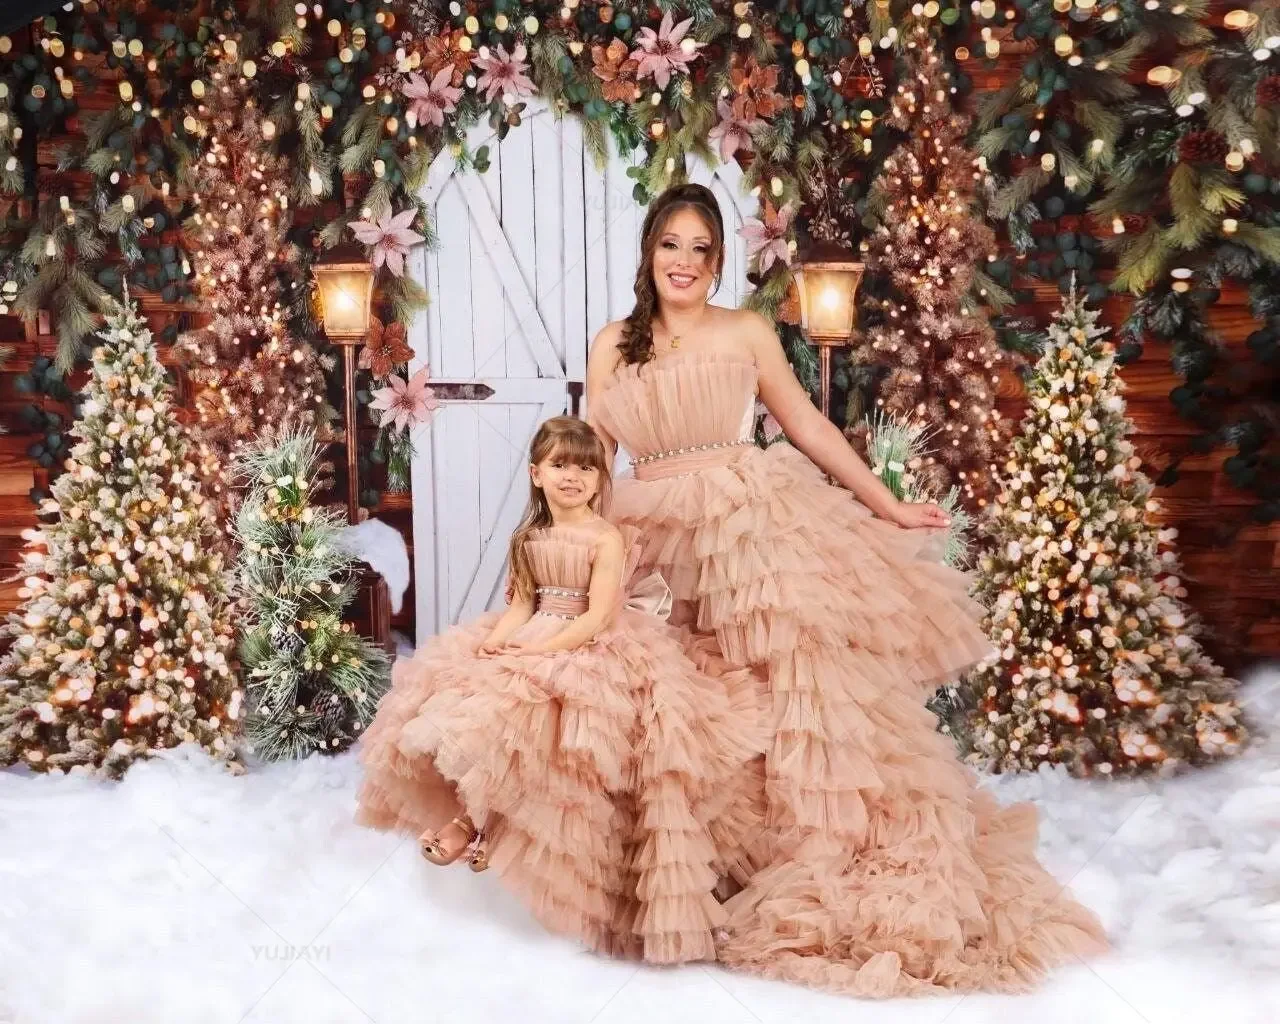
{"x": 604, "y": 765}
{"x": 874, "y": 865}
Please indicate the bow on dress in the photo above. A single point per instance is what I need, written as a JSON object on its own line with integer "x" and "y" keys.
{"x": 648, "y": 595}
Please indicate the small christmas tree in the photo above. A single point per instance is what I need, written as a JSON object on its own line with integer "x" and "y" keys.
{"x": 936, "y": 350}
{"x": 254, "y": 373}
{"x": 1098, "y": 667}
{"x": 313, "y": 681}
{"x": 121, "y": 642}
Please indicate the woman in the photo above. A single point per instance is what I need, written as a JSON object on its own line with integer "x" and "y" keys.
{"x": 868, "y": 860}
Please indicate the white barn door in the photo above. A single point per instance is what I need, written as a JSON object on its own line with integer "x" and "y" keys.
{"x": 534, "y": 257}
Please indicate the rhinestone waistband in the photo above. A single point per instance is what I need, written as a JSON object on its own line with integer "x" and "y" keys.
{"x": 560, "y": 592}
{"x": 694, "y": 449}
{"x": 687, "y": 461}
{"x": 562, "y": 602}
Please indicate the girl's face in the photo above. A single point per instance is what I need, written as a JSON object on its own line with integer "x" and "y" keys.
{"x": 683, "y": 266}
{"x": 568, "y": 485}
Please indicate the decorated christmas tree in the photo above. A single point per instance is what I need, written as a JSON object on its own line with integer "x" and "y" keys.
{"x": 253, "y": 373}
{"x": 121, "y": 643}
{"x": 1098, "y": 667}
{"x": 931, "y": 341}
{"x": 313, "y": 681}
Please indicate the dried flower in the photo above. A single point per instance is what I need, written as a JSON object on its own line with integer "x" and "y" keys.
{"x": 616, "y": 71}
{"x": 385, "y": 349}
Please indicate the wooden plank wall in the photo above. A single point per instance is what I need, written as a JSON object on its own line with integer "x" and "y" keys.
{"x": 1235, "y": 586}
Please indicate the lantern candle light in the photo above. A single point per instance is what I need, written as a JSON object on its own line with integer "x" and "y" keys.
{"x": 828, "y": 307}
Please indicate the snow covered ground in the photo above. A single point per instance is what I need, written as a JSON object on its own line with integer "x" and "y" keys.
{"x": 184, "y": 896}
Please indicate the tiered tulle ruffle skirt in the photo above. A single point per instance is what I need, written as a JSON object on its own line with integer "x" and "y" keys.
{"x": 599, "y": 768}
{"x": 874, "y": 865}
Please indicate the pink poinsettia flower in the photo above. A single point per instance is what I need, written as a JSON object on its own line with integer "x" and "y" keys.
{"x": 734, "y": 132}
{"x": 390, "y": 236}
{"x": 504, "y": 73}
{"x": 405, "y": 403}
{"x": 768, "y": 238}
{"x": 431, "y": 100}
{"x": 665, "y": 51}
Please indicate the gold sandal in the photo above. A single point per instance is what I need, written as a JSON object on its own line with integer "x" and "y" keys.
{"x": 434, "y": 851}
{"x": 479, "y": 859}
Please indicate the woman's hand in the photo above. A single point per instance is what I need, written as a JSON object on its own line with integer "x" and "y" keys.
{"x": 490, "y": 646}
{"x": 920, "y": 515}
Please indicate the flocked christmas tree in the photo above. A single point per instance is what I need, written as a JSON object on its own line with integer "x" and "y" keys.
{"x": 122, "y": 641}
{"x": 253, "y": 373}
{"x": 313, "y": 681}
{"x": 1098, "y": 667}
{"x": 936, "y": 348}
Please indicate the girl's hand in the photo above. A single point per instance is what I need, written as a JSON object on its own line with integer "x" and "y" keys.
{"x": 488, "y": 647}
{"x": 525, "y": 647}
{"x": 920, "y": 515}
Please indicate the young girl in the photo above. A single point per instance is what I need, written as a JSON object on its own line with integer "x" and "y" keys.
{"x": 570, "y": 742}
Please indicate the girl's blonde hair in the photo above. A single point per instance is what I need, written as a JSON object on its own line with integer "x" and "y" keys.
{"x": 571, "y": 440}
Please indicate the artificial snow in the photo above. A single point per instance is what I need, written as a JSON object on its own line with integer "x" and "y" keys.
{"x": 184, "y": 895}
{"x": 383, "y": 547}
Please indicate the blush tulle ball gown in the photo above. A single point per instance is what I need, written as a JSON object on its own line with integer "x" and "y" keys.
{"x": 602, "y": 766}
{"x": 869, "y": 861}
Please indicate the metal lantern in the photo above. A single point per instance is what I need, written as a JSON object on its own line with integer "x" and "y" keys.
{"x": 828, "y": 285}
{"x": 345, "y": 285}
{"x": 346, "y": 299}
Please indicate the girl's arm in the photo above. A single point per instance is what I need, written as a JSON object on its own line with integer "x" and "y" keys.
{"x": 602, "y": 600}
{"x": 601, "y": 363}
{"x": 518, "y": 612}
{"x": 819, "y": 438}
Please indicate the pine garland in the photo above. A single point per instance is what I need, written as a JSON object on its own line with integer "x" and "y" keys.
{"x": 1196, "y": 175}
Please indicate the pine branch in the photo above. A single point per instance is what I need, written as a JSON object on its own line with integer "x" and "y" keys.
{"x": 1018, "y": 192}
{"x": 1141, "y": 260}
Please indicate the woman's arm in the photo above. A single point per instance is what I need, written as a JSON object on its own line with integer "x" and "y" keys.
{"x": 601, "y": 363}
{"x": 519, "y": 611}
{"x": 602, "y": 600}
{"x": 819, "y": 438}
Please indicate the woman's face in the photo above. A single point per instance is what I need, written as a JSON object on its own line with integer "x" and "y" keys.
{"x": 683, "y": 266}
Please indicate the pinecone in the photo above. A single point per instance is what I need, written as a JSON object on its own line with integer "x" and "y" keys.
{"x": 1134, "y": 223}
{"x": 1269, "y": 90}
{"x": 1203, "y": 147}
{"x": 334, "y": 720}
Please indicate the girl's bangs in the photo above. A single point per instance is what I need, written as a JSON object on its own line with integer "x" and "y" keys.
{"x": 581, "y": 449}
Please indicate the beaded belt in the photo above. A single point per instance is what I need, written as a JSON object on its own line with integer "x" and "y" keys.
{"x": 561, "y": 602}
{"x": 679, "y": 461}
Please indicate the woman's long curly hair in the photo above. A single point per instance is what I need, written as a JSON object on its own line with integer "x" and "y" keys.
{"x": 636, "y": 345}
{"x": 571, "y": 440}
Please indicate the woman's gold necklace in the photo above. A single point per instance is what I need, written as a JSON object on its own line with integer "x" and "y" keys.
{"x": 674, "y": 343}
